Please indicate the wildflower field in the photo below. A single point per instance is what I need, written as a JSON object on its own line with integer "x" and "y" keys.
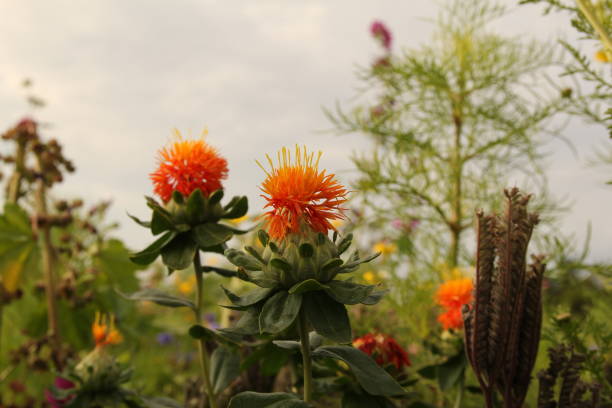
{"x": 436, "y": 275}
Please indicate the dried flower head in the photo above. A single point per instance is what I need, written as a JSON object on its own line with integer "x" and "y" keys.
{"x": 187, "y": 165}
{"x": 298, "y": 193}
{"x": 104, "y": 331}
{"x": 384, "y": 349}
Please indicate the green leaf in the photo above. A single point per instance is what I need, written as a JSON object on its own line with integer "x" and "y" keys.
{"x": 216, "y": 196}
{"x": 178, "y": 197}
{"x": 221, "y": 271}
{"x": 18, "y": 247}
{"x": 160, "y": 222}
{"x": 196, "y": 205}
{"x": 353, "y": 264}
{"x": 280, "y": 263}
{"x": 331, "y": 265}
{"x": 239, "y": 209}
{"x": 263, "y": 237}
{"x": 211, "y": 234}
{"x": 315, "y": 341}
{"x": 279, "y": 312}
{"x": 243, "y": 260}
{"x": 250, "y": 399}
{"x": 248, "y": 324}
{"x": 373, "y": 379}
{"x": 224, "y": 367}
{"x": 199, "y": 332}
{"x": 307, "y": 286}
{"x": 148, "y": 255}
{"x": 140, "y": 222}
{"x": 344, "y": 244}
{"x": 254, "y": 253}
{"x": 306, "y": 250}
{"x": 159, "y": 297}
{"x": 112, "y": 261}
{"x": 180, "y": 252}
{"x": 328, "y": 317}
{"x": 374, "y": 297}
{"x": 451, "y": 371}
{"x": 249, "y": 299}
{"x": 348, "y": 293}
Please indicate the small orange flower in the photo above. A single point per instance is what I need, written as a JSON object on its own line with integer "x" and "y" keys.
{"x": 104, "y": 332}
{"x": 299, "y": 193}
{"x": 452, "y": 295}
{"x": 186, "y": 165}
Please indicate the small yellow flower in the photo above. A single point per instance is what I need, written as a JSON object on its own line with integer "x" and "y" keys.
{"x": 602, "y": 56}
{"x": 370, "y": 277}
{"x": 385, "y": 248}
{"x": 186, "y": 286}
{"x": 239, "y": 220}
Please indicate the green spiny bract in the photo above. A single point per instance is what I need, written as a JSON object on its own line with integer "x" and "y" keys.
{"x": 187, "y": 225}
{"x": 299, "y": 275}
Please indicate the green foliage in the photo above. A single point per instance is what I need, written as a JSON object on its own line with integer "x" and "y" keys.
{"x": 450, "y": 122}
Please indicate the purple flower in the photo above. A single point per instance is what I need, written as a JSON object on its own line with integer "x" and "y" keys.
{"x": 211, "y": 320}
{"x": 380, "y": 31}
{"x": 165, "y": 338}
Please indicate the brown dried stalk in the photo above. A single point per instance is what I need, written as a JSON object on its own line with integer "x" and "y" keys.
{"x": 566, "y": 365}
{"x": 502, "y": 326}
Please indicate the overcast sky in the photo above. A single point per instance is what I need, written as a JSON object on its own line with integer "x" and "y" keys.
{"x": 119, "y": 75}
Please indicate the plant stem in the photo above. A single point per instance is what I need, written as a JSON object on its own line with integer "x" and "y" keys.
{"x": 306, "y": 359}
{"x": 204, "y": 359}
{"x": 48, "y": 261}
{"x": 461, "y": 391}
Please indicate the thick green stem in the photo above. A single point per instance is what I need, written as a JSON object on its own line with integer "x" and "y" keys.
{"x": 204, "y": 358}
{"x": 307, "y": 360}
{"x": 48, "y": 260}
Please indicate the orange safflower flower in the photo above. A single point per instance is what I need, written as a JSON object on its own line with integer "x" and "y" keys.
{"x": 186, "y": 165}
{"x": 104, "y": 332}
{"x": 299, "y": 193}
{"x": 452, "y": 295}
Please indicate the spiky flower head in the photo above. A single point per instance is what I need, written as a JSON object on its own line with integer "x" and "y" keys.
{"x": 104, "y": 331}
{"x": 299, "y": 194}
{"x": 452, "y": 295}
{"x": 186, "y": 165}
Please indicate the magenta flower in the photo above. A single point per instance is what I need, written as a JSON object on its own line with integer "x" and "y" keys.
{"x": 60, "y": 384}
{"x": 380, "y": 31}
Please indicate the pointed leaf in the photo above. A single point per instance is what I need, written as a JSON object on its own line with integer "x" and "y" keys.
{"x": 216, "y": 196}
{"x": 225, "y": 367}
{"x": 180, "y": 252}
{"x": 196, "y": 205}
{"x": 306, "y": 250}
{"x": 353, "y": 264}
{"x": 374, "y": 297}
{"x": 263, "y": 237}
{"x": 307, "y": 286}
{"x": 159, "y": 297}
{"x": 373, "y": 379}
{"x": 243, "y": 260}
{"x": 249, "y": 298}
{"x": 160, "y": 222}
{"x": 211, "y": 234}
{"x": 279, "y": 312}
{"x": 140, "y": 222}
{"x": 328, "y": 317}
{"x": 344, "y": 244}
{"x": 148, "y": 255}
{"x": 331, "y": 265}
{"x": 348, "y": 293}
{"x": 239, "y": 209}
